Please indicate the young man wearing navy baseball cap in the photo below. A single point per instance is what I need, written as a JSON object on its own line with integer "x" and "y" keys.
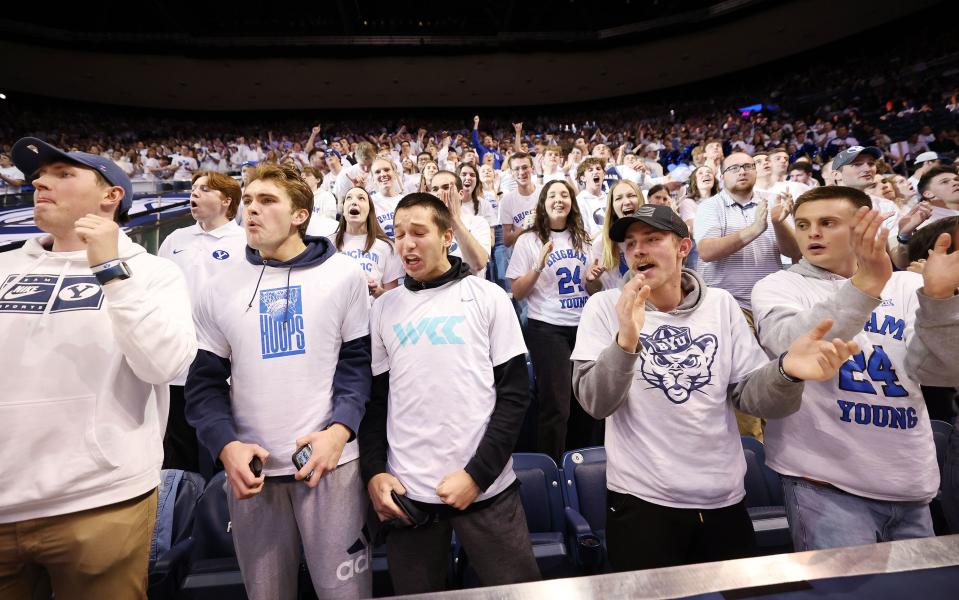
{"x": 96, "y": 327}
{"x": 665, "y": 360}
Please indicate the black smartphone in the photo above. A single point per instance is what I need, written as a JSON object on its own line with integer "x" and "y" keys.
{"x": 256, "y": 466}
{"x": 416, "y": 516}
{"x": 302, "y": 456}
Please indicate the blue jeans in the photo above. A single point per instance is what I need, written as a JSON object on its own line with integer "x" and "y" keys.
{"x": 824, "y": 517}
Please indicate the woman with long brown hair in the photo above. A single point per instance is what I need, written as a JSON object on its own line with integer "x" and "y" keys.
{"x": 360, "y": 237}
{"x": 548, "y": 268}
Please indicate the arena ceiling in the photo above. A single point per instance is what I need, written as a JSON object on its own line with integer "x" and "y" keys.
{"x": 357, "y": 54}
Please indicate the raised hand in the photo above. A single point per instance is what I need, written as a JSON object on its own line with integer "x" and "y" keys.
{"x": 914, "y": 217}
{"x": 476, "y": 122}
{"x": 101, "y": 236}
{"x": 875, "y": 268}
{"x": 780, "y": 212}
{"x": 759, "y": 225}
{"x": 631, "y": 312}
{"x": 940, "y": 276}
{"x": 811, "y": 358}
{"x": 595, "y": 271}
{"x": 543, "y": 253}
{"x": 518, "y": 127}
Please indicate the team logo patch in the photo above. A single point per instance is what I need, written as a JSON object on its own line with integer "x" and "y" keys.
{"x": 33, "y": 293}
{"x": 676, "y": 363}
{"x": 281, "y": 322}
{"x": 221, "y": 254}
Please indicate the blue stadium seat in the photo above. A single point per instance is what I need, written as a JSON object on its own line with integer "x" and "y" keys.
{"x": 213, "y": 572}
{"x": 542, "y": 494}
{"x": 166, "y": 570}
{"x": 764, "y": 500}
{"x": 584, "y": 472}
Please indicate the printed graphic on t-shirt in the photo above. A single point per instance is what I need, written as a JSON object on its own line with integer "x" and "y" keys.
{"x": 366, "y": 260}
{"x": 281, "y": 322}
{"x": 386, "y": 222}
{"x": 438, "y": 331}
{"x": 676, "y": 363}
{"x": 32, "y": 293}
{"x": 220, "y": 254}
{"x": 570, "y": 287}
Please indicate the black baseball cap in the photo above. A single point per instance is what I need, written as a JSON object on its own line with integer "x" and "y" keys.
{"x": 655, "y": 215}
{"x": 29, "y": 154}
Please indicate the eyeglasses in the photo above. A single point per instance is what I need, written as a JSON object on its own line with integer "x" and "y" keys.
{"x": 734, "y": 169}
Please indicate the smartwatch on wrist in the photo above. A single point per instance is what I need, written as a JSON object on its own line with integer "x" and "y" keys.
{"x": 118, "y": 271}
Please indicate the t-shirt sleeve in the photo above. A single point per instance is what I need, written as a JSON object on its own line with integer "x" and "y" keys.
{"x": 356, "y": 322}
{"x": 707, "y": 221}
{"x": 747, "y": 353}
{"x": 598, "y": 326}
{"x": 479, "y": 229}
{"x": 209, "y": 337}
{"x": 380, "y": 360}
{"x": 506, "y": 210}
{"x": 394, "y": 266}
{"x": 505, "y": 335}
{"x": 522, "y": 260}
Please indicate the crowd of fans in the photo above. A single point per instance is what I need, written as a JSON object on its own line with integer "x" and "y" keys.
{"x": 606, "y": 228}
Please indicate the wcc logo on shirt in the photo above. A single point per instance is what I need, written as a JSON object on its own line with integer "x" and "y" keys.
{"x": 438, "y": 331}
{"x": 32, "y": 294}
{"x": 676, "y": 363}
{"x": 281, "y": 322}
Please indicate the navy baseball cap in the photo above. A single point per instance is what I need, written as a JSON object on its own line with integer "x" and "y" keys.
{"x": 29, "y": 154}
{"x": 849, "y": 154}
{"x": 655, "y": 215}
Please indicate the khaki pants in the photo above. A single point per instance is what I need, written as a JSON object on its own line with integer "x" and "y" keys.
{"x": 97, "y": 553}
{"x": 748, "y": 424}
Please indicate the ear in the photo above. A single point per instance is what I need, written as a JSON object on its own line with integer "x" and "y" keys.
{"x": 111, "y": 198}
{"x": 300, "y": 216}
{"x": 447, "y": 239}
{"x": 685, "y": 247}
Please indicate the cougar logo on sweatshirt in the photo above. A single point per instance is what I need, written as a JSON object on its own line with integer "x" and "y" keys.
{"x": 281, "y": 322}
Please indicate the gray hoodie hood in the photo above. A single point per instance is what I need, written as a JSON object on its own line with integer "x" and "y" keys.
{"x": 807, "y": 269}
{"x": 694, "y": 292}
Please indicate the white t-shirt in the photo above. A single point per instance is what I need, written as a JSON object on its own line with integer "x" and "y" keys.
{"x": 675, "y": 442}
{"x": 186, "y": 166}
{"x": 380, "y": 262}
{"x": 13, "y": 173}
{"x": 514, "y": 207}
{"x": 324, "y": 204}
{"x": 593, "y": 209}
{"x": 440, "y": 346}
{"x": 560, "y": 291}
{"x": 486, "y": 210}
{"x": 284, "y": 351}
{"x": 201, "y": 255}
{"x": 866, "y": 430}
{"x": 385, "y": 207}
{"x": 321, "y": 226}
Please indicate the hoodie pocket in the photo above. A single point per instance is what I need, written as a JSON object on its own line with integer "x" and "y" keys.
{"x": 50, "y": 448}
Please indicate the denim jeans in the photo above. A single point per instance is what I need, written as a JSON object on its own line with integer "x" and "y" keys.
{"x": 824, "y": 517}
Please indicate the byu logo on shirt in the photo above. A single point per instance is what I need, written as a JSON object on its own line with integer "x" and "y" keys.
{"x": 675, "y": 363}
{"x": 281, "y": 323}
{"x": 221, "y": 254}
{"x": 438, "y": 330}
{"x": 32, "y": 293}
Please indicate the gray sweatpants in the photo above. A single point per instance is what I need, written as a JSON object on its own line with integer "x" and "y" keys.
{"x": 329, "y": 522}
{"x": 496, "y": 539}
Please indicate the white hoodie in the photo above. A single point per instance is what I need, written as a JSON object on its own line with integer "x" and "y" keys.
{"x": 84, "y": 402}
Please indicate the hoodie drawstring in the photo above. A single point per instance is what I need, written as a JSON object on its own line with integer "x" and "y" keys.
{"x": 257, "y": 288}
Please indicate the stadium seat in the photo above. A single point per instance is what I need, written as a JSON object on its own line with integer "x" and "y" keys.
{"x": 584, "y": 472}
{"x": 764, "y": 500}
{"x": 542, "y": 494}
{"x": 941, "y": 430}
{"x": 213, "y": 572}
{"x": 175, "y": 526}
